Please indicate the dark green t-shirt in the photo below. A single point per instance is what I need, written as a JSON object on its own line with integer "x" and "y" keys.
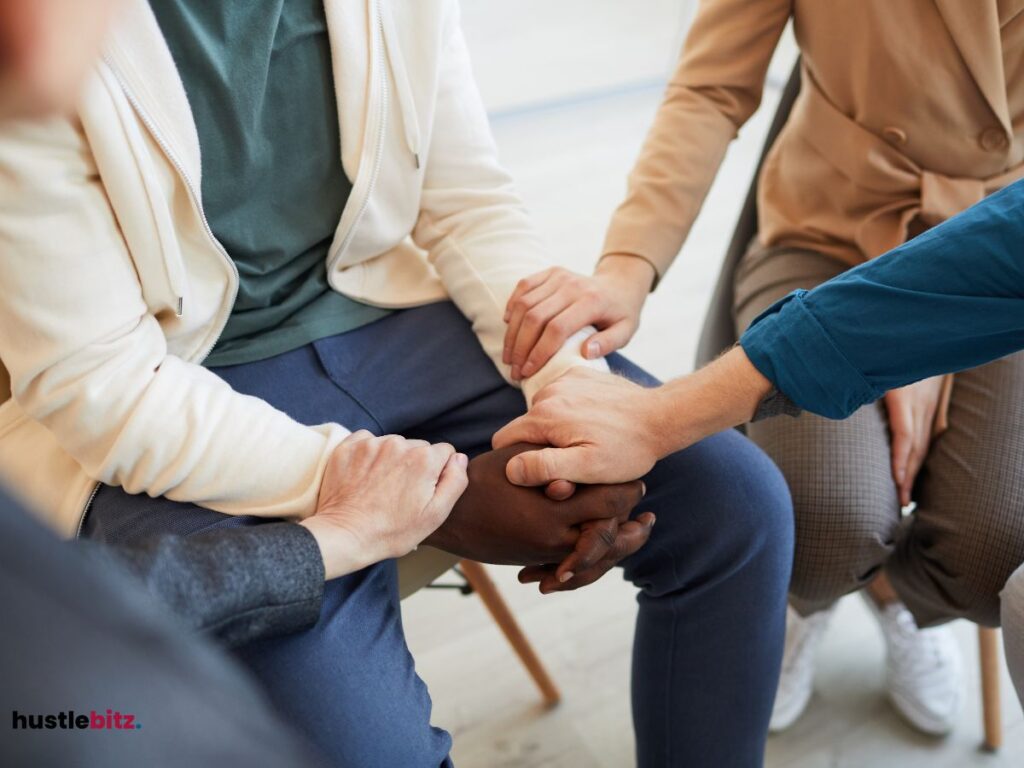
{"x": 259, "y": 82}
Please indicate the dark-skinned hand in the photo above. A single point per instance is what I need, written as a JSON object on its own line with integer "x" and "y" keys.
{"x": 566, "y": 544}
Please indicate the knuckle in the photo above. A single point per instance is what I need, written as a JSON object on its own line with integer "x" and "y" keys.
{"x": 392, "y": 444}
{"x": 534, "y": 317}
{"x": 607, "y": 537}
{"x": 559, "y": 327}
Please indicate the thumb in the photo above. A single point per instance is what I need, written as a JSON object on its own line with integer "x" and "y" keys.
{"x": 450, "y": 485}
{"x": 542, "y": 466}
{"x": 605, "y": 342}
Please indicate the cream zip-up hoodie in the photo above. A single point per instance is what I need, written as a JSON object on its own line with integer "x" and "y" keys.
{"x": 113, "y": 289}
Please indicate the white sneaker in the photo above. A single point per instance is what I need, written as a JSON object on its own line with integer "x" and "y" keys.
{"x": 796, "y": 683}
{"x": 924, "y": 670}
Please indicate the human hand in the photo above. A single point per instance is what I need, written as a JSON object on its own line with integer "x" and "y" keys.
{"x": 911, "y": 412}
{"x": 381, "y": 496}
{"x": 602, "y": 545}
{"x": 603, "y": 429}
{"x": 496, "y": 522}
{"x": 547, "y": 308}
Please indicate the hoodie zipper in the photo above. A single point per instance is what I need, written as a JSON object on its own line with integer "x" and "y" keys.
{"x": 378, "y": 155}
{"x": 196, "y": 204}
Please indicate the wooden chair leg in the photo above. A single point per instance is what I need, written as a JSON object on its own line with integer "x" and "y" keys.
{"x": 481, "y": 582}
{"x": 988, "y": 652}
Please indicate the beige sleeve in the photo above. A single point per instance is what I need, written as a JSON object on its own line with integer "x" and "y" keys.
{"x": 716, "y": 87}
{"x": 89, "y": 361}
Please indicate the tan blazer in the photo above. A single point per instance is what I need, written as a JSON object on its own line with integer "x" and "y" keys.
{"x": 909, "y": 109}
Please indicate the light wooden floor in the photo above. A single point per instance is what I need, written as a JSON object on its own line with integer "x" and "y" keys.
{"x": 573, "y": 98}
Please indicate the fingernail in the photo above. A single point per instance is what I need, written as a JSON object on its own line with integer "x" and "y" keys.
{"x": 515, "y": 372}
{"x": 514, "y": 471}
{"x": 643, "y": 488}
{"x": 528, "y": 370}
{"x": 462, "y": 460}
{"x": 593, "y": 350}
{"x": 565, "y": 577}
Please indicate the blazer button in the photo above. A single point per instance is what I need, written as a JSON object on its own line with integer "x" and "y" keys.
{"x": 895, "y": 135}
{"x": 993, "y": 139}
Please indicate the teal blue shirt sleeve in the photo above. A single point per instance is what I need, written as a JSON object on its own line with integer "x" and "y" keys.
{"x": 948, "y": 300}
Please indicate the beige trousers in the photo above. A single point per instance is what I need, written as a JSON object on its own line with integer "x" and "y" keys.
{"x": 952, "y": 556}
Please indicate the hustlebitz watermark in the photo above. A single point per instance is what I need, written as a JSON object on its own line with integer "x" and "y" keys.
{"x": 111, "y": 720}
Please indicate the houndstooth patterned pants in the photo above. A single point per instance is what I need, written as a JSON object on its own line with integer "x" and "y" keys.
{"x": 952, "y": 556}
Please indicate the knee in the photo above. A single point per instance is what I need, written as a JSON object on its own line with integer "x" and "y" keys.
{"x": 987, "y": 584}
{"x": 733, "y": 499}
{"x": 841, "y": 543}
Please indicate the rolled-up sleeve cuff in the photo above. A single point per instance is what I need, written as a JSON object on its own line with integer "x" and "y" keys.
{"x": 791, "y": 348}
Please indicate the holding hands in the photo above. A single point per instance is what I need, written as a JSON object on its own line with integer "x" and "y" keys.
{"x": 601, "y": 428}
{"x": 381, "y": 496}
{"x": 585, "y": 534}
{"x": 546, "y": 309}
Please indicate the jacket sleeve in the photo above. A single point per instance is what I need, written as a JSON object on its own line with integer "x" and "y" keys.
{"x": 948, "y": 300}
{"x": 237, "y": 584}
{"x": 472, "y": 222}
{"x": 90, "y": 362}
{"x": 716, "y": 87}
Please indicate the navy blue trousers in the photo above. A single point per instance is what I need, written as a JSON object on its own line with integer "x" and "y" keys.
{"x": 711, "y": 581}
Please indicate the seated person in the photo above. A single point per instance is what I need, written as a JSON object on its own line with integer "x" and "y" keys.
{"x": 262, "y": 231}
{"x": 865, "y": 161}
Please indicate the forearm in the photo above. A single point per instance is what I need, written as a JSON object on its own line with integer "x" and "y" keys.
{"x": 719, "y": 396}
{"x": 237, "y": 584}
{"x": 948, "y": 300}
{"x": 716, "y": 87}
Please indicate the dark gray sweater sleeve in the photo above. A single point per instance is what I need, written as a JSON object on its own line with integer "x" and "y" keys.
{"x": 236, "y": 584}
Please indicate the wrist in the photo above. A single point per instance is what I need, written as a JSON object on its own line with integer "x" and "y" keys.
{"x": 723, "y": 394}
{"x": 635, "y": 272}
{"x": 340, "y": 551}
{"x": 442, "y": 538}
{"x": 656, "y": 404}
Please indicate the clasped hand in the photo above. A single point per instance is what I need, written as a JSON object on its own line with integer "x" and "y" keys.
{"x": 381, "y": 496}
{"x": 564, "y": 544}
